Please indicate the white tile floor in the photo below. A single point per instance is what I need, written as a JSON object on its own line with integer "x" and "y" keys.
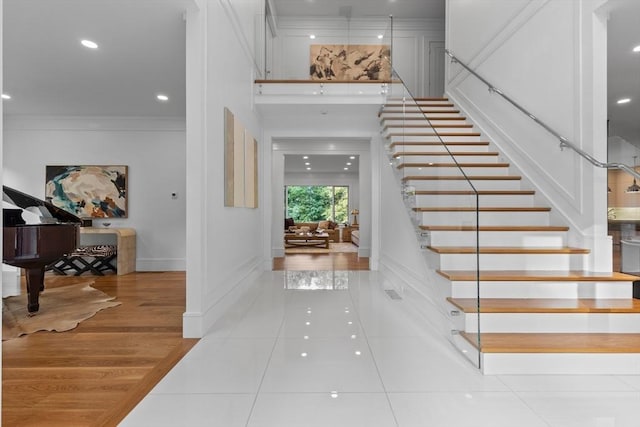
{"x": 342, "y": 353}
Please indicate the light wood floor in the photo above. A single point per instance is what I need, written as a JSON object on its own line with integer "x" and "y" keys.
{"x": 95, "y": 374}
{"x": 330, "y": 261}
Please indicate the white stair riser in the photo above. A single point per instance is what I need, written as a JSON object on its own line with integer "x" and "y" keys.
{"x": 439, "y": 148}
{"x": 534, "y": 262}
{"x": 483, "y": 218}
{"x": 446, "y": 158}
{"x": 550, "y": 322}
{"x": 498, "y": 238}
{"x": 455, "y": 171}
{"x": 454, "y": 185}
{"x": 410, "y": 136}
{"x": 421, "y": 121}
{"x": 397, "y": 109}
{"x": 444, "y": 200}
{"x": 426, "y": 128}
{"x": 561, "y": 363}
{"x": 396, "y": 115}
{"x": 544, "y": 289}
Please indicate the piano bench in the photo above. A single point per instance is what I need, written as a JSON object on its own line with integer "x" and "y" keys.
{"x": 95, "y": 259}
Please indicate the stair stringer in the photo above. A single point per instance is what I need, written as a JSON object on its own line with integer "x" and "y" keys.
{"x": 439, "y": 288}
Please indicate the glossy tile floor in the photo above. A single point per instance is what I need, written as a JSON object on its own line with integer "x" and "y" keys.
{"x": 333, "y": 349}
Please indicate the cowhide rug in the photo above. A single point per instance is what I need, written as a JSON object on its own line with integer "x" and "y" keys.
{"x": 61, "y": 309}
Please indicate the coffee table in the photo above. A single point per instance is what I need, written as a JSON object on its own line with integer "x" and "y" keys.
{"x": 306, "y": 239}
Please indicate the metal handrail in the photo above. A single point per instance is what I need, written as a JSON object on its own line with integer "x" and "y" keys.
{"x": 564, "y": 142}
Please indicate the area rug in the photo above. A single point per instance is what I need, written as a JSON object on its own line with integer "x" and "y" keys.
{"x": 61, "y": 309}
{"x": 333, "y": 248}
{"x": 307, "y": 250}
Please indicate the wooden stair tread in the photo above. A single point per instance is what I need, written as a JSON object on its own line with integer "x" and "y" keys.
{"x": 536, "y": 276}
{"x": 431, "y": 98}
{"x": 547, "y": 305}
{"x": 460, "y": 177}
{"x": 433, "y": 103}
{"x": 442, "y": 153}
{"x": 470, "y": 192}
{"x": 555, "y": 342}
{"x": 437, "y": 143}
{"x": 428, "y": 125}
{"x": 424, "y": 117}
{"x": 519, "y": 228}
{"x": 507, "y": 250}
{"x": 481, "y": 209}
{"x": 453, "y": 165}
{"x": 400, "y": 110}
{"x": 434, "y": 134}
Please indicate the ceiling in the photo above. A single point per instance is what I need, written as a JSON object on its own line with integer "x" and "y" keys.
{"x": 402, "y": 9}
{"x": 331, "y": 163}
{"x": 624, "y": 70}
{"x": 142, "y": 53}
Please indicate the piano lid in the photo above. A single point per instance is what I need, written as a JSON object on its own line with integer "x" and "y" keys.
{"x": 24, "y": 201}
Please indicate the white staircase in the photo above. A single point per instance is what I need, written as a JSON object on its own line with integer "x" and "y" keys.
{"x": 537, "y": 309}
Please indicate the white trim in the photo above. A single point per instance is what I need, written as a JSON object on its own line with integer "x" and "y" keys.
{"x": 161, "y": 264}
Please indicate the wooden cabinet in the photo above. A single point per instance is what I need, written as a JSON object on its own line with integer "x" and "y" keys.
{"x": 346, "y": 232}
{"x": 124, "y": 238}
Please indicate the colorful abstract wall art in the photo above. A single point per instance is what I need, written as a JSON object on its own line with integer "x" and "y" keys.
{"x": 350, "y": 62}
{"x": 240, "y": 164}
{"x": 88, "y": 191}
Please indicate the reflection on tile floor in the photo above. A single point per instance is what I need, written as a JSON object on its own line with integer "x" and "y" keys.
{"x": 333, "y": 349}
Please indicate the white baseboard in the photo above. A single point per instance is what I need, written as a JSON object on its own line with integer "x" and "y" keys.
{"x": 166, "y": 264}
{"x": 10, "y": 281}
{"x": 196, "y": 324}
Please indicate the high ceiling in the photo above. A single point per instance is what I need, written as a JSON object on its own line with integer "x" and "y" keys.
{"x": 142, "y": 52}
{"x": 402, "y": 9}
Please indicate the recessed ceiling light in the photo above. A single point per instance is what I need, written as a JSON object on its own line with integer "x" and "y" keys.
{"x": 312, "y": 36}
{"x": 348, "y": 163}
{"x": 305, "y": 157}
{"x": 380, "y": 36}
{"x": 346, "y": 169}
{"x": 162, "y": 97}
{"x": 308, "y": 169}
{"x": 90, "y": 44}
{"x": 352, "y": 157}
{"x": 6, "y": 96}
{"x": 307, "y": 163}
{"x": 624, "y": 100}
{"x": 637, "y": 48}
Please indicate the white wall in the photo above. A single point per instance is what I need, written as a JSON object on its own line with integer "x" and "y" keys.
{"x": 410, "y": 45}
{"x": 224, "y": 245}
{"x": 400, "y": 251}
{"x": 549, "y": 56}
{"x": 154, "y": 151}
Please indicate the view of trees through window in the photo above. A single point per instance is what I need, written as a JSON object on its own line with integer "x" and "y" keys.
{"x": 312, "y": 203}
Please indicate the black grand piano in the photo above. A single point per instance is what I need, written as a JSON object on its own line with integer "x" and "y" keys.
{"x": 34, "y": 246}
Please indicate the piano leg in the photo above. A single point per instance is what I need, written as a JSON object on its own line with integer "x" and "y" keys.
{"x": 35, "y": 284}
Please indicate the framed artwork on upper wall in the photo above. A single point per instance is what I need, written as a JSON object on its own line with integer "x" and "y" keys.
{"x": 88, "y": 191}
{"x": 350, "y": 62}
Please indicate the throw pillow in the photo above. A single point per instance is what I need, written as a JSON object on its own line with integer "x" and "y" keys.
{"x": 288, "y": 222}
{"x": 323, "y": 224}
{"x": 332, "y": 225}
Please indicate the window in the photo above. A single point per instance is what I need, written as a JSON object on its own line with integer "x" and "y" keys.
{"x": 313, "y": 203}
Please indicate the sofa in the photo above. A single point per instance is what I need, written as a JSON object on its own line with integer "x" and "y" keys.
{"x": 329, "y": 227}
{"x": 355, "y": 237}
